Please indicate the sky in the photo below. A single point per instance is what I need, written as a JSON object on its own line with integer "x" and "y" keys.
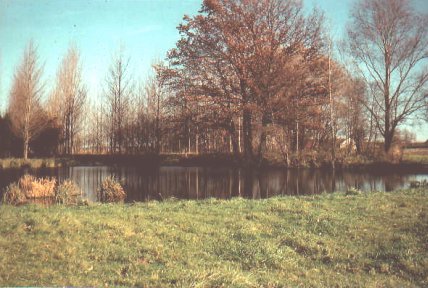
{"x": 146, "y": 29}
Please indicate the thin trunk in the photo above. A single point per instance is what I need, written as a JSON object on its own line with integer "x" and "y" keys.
{"x": 333, "y": 132}
{"x": 297, "y": 138}
{"x": 197, "y": 140}
{"x": 25, "y": 152}
{"x": 233, "y": 142}
{"x": 263, "y": 137}
{"x": 246, "y": 125}
{"x": 388, "y": 133}
{"x": 248, "y": 137}
{"x": 239, "y": 135}
{"x": 188, "y": 139}
{"x": 157, "y": 124}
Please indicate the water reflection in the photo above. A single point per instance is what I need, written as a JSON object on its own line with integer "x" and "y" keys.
{"x": 144, "y": 184}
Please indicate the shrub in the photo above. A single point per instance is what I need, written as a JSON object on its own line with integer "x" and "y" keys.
{"x": 67, "y": 192}
{"x": 37, "y": 188}
{"x": 14, "y": 195}
{"x": 110, "y": 191}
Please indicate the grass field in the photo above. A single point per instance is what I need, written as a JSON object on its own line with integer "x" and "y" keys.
{"x": 364, "y": 240}
{"x": 418, "y": 155}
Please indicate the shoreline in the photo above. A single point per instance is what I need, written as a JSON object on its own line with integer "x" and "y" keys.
{"x": 205, "y": 160}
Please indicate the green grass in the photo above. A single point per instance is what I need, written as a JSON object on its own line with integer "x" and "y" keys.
{"x": 365, "y": 240}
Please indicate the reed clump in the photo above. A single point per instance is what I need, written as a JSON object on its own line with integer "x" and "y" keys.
{"x": 111, "y": 191}
{"x": 67, "y": 193}
{"x": 33, "y": 187}
{"x": 29, "y": 187}
{"x": 14, "y": 195}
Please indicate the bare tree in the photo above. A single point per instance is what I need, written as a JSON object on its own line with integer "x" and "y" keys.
{"x": 389, "y": 42}
{"x": 95, "y": 122}
{"x": 27, "y": 116}
{"x": 118, "y": 94}
{"x": 69, "y": 99}
{"x": 155, "y": 105}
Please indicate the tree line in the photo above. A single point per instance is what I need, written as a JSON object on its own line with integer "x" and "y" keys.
{"x": 246, "y": 77}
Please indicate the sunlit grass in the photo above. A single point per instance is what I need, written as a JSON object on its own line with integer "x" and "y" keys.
{"x": 365, "y": 240}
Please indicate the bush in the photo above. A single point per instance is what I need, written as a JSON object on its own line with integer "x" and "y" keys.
{"x": 67, "y": 192}
{"x": 14, "y": 195}
{"x": 110, "y": 191}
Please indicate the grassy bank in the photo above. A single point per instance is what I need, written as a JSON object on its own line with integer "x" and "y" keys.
{"x": 15, "y": 163}
{"x": 36, "y": 163}
{"x": 365, "y": 240}
{"x": 135, "y": 160}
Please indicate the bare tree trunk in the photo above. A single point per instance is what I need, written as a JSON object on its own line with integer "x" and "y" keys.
{"x": 197, "y": 140}
{"x": 332, "y": 126}
{"x": 25, "y": 152}
{"x": 263, "y": 138}
{"x": 239, "y": 135}
{"x": 248, "y": 136}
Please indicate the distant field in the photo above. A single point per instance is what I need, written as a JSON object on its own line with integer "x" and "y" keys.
{"x": 416, "y": 151}
{"x": 416, "y": 155}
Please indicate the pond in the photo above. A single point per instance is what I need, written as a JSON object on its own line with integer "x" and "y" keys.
{"x": 143, "y": 184}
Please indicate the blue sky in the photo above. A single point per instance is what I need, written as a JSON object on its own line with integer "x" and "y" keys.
{"x": 145, "y": 28}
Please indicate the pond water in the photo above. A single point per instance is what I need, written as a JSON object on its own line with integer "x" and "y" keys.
{"x": 143, "y": 184}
